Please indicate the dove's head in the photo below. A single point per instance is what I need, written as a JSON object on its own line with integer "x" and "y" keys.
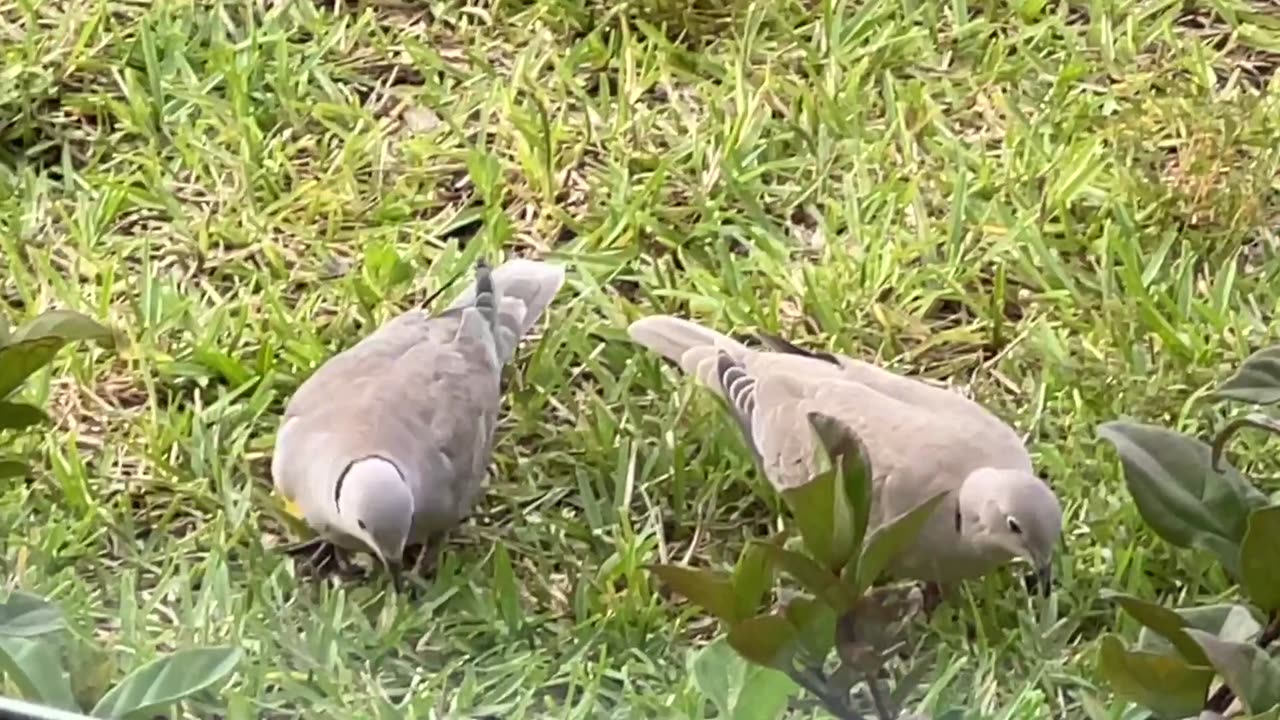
{"x": 375, "y": 507}
{"x": 1013, "y": 512}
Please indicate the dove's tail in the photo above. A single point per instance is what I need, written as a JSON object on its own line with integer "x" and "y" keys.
{"x": 512, "y": 297}
{"x": 693, "y": 347}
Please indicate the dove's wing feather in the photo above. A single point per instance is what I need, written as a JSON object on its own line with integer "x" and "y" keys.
{"x": 444, "y": 401}
{"x": 1000, "y": 444}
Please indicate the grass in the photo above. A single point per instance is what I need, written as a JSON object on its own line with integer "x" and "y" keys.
{"x": 1068, "y": 209}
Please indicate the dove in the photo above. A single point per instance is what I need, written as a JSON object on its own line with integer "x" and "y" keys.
{"x": 388, "y": 443}
{"x": 920, "y": 440}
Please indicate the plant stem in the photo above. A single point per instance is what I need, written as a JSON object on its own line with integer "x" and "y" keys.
{"x": 813, "y": 681}
{"x": 878, "y": 698}
{"x": 1223, "y": 696}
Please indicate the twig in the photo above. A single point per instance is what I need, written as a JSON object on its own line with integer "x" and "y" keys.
{"x": 878, "y": 699}
{"x": 1223, "y": 696}
{"x": 816, "y": 684}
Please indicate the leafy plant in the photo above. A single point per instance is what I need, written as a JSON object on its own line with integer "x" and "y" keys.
{"x": 26, "y": 350}
{"x": 31, "y": 658}
{"x": 837, "y": 632}
{"x": 1192, "y": 500}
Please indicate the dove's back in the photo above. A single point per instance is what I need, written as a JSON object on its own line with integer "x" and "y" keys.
{"x": 422, "y": 391}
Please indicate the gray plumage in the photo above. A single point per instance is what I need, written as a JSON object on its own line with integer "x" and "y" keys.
{"x": 921, "y": 440}
{"x": 388, "y": 442}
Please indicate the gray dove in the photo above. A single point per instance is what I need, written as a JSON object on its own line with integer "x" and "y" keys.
{"x": 921, "y": 440}
{"x": 387, "y": 444}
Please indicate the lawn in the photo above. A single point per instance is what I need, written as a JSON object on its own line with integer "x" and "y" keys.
{"x": 1068, "y": 210}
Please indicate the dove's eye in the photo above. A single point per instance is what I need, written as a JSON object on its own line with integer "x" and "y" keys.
{"x": 1014, "y": 527}
{"x": 362, "y": 525}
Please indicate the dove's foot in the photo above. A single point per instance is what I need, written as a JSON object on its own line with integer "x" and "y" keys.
{"x": 426, "y": 557}
{"x": 322, "y": 557}
{"x": 933, "y": 597}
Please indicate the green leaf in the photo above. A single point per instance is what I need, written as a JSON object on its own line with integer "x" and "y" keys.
{"x": 752, "y": 577}
{"x": 64, "y": 325}
{"x": 5, "y": 332}
{"x": 708, "y": 589}
{"x": 815, "y": 624}
{"x": 740, "y": 690}
{"x": 1178, "y": 493}
{"x": 1257, "y": 381}
{"x": 23, "y": 614}
{"x": 34, "y": 345}
{"x": 1164, "y": 684}
{"x": 849, "y": 459}
{"x": 891, "y": 538}
{"x": 1247, "y": 669}
{"x": 765, "y": 694}
{"x": 35, "y": 666}
{"x": 812, "y": 576}
{"x": 767, "y": 640}
{"x": 1259, "y": 570}
{"x": 164, "y": 681}
{"x": 1225, "y": 621}
{"x": 1165, "y": 622}
{"x": 16, "y": 416}
{"x": 718, "y": 672}
{"x": 13, "y": 468}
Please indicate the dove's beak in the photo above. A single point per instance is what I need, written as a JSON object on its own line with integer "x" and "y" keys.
{"x": 1044, "y": 579}
{"x": 393, "y": 572}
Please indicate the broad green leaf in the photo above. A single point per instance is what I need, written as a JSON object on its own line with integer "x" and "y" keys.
{"x": 1167, "y": 623}
{"x": 848, "y": 457}
{"x": 752, "y": 577}
{"x": 1257, "y": 381}
{"x": 18, "y": 361}
{"x": 823, "y": 516}
{"x": 34, "y": 345}
{"x": 1225, "y": 621}
{"x": 66, "y": 326}
{"x": 740, "y": 690}
{"x": 711, "y": 590}
{"x": 164, "y": 681}
{"x": 1247, "y": 669}
{"x": 891, "y": 538}
{"x": 35, "y": 666}
{"x": 767, "y": 640}
{"x": 1260, "y": 558}
{"x": 1164, "y": 684}
{"x": 24, "y": 614}
{"x": 765, "y": 694}
{"x": 815, "y": 624}
{"x": 1178, "y": 493}
{"x": 812, "y": 576}
{"x": 13, "y": 468}
{"x": 718, "y": 672}
{"x": 16, "y": 416}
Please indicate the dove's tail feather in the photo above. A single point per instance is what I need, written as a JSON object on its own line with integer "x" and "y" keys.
{"x": 486, "y": 300}
{"x": 517, "y": 293}
{"x": 692, "y": 346}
